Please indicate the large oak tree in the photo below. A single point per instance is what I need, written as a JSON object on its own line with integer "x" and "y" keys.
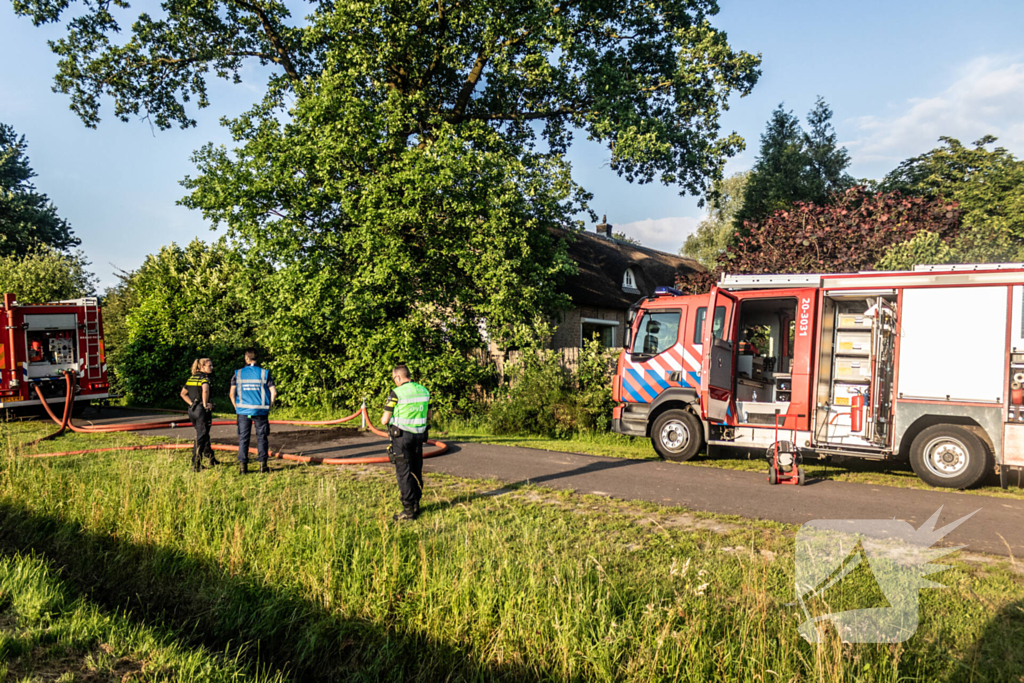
{"x": 399, "y": 181}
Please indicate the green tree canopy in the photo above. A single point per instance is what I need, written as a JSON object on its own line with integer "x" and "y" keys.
{"x": 795, "y": 165}
{"x": 989, "y": 187}
{"x": 397, "y": 186}
{"x": 182, "y": 303}
{"x": 715, "y": 233}
{"x": 28, "y": 219}
{"x": 45, "y": 274}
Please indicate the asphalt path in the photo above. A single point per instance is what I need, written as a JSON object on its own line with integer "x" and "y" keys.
{"x": 997, "y": 526}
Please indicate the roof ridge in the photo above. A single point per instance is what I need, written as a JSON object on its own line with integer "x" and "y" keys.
{"x": 638, "y": 247}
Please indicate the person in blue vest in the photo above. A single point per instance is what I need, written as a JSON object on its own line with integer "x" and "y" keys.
{"x": 407, "y": 415}
{"x": 253, "y": 394}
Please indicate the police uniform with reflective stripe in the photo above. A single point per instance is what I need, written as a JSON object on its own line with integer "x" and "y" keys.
{"x": 201, "y": 418}
{"x": 409, "y": 405}
{"x": 194, "y": 386}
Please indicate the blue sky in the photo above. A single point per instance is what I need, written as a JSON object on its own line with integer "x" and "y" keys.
{"x": 897, "y": 75}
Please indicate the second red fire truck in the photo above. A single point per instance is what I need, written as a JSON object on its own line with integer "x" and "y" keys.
{"x": 40, "y": 342}
{"x": 926, "y": 365}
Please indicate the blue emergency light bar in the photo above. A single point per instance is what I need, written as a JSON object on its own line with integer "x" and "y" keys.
{"x": 667, "y": 291}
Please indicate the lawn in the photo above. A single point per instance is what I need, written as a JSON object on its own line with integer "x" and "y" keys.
{"x": 125, "y": 565}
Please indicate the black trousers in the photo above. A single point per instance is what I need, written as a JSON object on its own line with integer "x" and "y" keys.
{"x": 409, "y": 468}
{"x": 201, "y": 421}
{"x": 245, "y": 424}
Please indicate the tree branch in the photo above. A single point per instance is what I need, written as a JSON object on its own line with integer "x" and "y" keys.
{"x": 285, "y": 59}
{"x": 471, "y": 80}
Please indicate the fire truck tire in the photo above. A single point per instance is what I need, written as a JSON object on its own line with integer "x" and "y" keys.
{"x": 79, "y": 408}
{"x": 677, "y": 435}
{"x": 950, "y": 457}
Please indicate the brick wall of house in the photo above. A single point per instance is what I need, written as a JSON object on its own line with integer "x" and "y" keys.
{"x": 567, "y": 332}
{"x": 567, "y": 329}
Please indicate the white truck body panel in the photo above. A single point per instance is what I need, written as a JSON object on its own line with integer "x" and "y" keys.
{"x": 953, "y": 344}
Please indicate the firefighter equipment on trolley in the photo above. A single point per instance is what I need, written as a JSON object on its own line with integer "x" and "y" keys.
{"x": 784, "y": 461}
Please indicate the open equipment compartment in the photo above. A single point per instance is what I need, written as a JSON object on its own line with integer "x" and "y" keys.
{"x": 52, "y": 343}
{"x": 856, "y": 369}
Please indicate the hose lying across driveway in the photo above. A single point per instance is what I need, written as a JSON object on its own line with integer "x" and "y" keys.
{"x": 66, "y": 423}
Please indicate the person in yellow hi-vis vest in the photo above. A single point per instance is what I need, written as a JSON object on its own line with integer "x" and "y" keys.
{"x": 407, "y": 417}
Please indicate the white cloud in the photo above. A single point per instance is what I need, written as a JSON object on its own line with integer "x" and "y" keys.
{"x": 986, "y": 97}
{"x": 664, "y": 234}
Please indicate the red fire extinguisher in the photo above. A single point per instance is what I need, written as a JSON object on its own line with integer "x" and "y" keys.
{"x": 857, "y": 413}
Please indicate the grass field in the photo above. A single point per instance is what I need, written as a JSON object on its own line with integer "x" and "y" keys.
{"x": 617, "y": 446}
{"x": 125, "y": 566}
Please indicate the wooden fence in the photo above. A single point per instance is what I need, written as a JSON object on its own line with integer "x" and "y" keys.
{"x": 568, "y": 358}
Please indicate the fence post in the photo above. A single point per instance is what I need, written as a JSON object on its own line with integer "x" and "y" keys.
{"x": 362, "y": 413}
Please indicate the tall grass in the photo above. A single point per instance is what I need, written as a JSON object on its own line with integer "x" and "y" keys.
{"x": 304, "y": 573}
{"x": 48, "y": 632}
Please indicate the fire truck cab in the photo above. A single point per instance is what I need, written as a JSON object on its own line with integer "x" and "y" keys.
{"x": 41, "y": 342}
{"x": 926, "y": 365}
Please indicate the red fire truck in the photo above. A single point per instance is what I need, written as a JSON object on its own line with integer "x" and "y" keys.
{"x": 926, "y": 365}
{"x": 40, "y": 342}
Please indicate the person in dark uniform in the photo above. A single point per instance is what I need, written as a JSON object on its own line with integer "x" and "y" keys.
{"x": 196, "y": 393}
{"x": 407, "y": 415}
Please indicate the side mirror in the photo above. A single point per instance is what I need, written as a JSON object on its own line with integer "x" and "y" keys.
{"x": 627, "y": 342}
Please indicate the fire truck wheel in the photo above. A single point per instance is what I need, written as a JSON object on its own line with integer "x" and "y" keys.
{"x": 949, "y": 456}
{"x": 677, "y": 435}
{"x": 78, "y": 408}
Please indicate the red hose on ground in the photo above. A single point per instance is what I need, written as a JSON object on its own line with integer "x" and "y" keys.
{"x": 63, "y": 422}
{"x": 100, "y": 429}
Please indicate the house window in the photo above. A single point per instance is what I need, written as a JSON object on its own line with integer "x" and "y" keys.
{"x": 629, "y": 281}
{"x": 604, "y": 330}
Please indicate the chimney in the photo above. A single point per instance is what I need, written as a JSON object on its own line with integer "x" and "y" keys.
{"x": 603, "y": 228}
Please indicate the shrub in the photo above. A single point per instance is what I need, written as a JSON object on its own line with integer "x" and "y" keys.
{"x": 151, "y": 371}
{"x": 591, "y": 398}
{"x": 533, "y": 398}
{"x": 542, "y": 397}
{"x": 181, "y": 304}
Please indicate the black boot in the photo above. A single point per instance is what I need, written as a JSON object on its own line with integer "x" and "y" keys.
{"x": 405, "y": 515}
{"x": 264, "y": 468}
{"x": 212, "y": 460}
{"x": 243, "y": 468}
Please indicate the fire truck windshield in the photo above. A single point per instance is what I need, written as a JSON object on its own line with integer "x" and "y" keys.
{"x": 657, "y": 331}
